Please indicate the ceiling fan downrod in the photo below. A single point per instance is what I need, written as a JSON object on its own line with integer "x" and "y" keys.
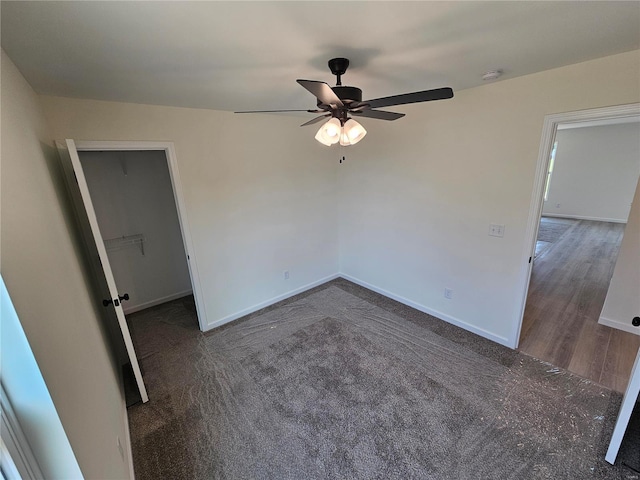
{"x": 338, "y": 67}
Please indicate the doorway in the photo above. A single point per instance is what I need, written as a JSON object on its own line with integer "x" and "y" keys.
{"x": 134, "y": 203}
{"x": 133, "y": 200}
{"x": 112, "y": 296}
{"x": 157, "y": 159}
{"x": 576, "y": 236}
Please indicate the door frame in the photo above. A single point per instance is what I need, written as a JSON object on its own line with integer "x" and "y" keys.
{"x": 549, "y": 129}
{"x": 176, "y": 184}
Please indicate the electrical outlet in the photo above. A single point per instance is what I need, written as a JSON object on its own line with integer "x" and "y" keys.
{"x": 448, "y": 293}
{"x": 286, "y": 274}
{"x": 496, "y": 230}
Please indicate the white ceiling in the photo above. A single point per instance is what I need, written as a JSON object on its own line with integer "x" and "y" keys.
{"x": 247, "y": 55}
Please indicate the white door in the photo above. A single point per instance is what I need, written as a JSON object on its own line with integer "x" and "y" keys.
{"x": 626, "y": 409}
{"x": 71, "y": 160}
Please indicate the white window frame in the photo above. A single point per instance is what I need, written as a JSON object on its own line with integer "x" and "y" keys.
{"x": 18, "y": 461}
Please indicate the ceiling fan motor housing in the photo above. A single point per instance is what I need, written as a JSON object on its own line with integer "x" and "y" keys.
{"x": 348, "y": 95}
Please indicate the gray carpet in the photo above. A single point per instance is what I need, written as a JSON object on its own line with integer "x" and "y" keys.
{"x": 340, "y": 382}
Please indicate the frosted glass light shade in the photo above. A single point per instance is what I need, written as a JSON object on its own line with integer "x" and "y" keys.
{"x": 344, "y": 140}
{"x": 352, "y": 132}
{"x": 329, "y": 133}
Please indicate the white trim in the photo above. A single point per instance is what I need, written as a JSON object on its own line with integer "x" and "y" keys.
{"x": 582, "y": 217}
{"x": 624, "y": 415}
{"x": 549, "y": 129}
{"x": 624, "y": 326}
{"x": 127, "y": 442}
{"x": 600, "y": 123}
{"x": 16, "y": 444}
{"x": 410, "y": 303}
{"x": 99, "y": 145}
{"x": 439, "y": 315}
{"x": 8, "y": 468}
{"x": 157, "y": 301}
{"x": 172, "y": 163}
{"x": 271, "y": 301}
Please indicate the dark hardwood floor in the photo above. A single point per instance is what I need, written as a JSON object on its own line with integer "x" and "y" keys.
{"x": 569, "y": 283}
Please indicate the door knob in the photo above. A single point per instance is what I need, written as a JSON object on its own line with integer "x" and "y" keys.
{"x": 107, "y": 301}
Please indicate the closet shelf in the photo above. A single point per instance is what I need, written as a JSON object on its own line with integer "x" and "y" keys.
{"x": 124, "y": 242}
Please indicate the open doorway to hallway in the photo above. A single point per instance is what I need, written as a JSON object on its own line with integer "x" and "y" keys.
{"x": 589, "y": 191}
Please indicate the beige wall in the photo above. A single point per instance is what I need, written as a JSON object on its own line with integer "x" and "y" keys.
{"x": 41, "y": 265}
{"x": 260, "y": 194}
{"x": 413, "y": 202}
{"x": 623, "y": 298}
{"x": 419, "y": 194}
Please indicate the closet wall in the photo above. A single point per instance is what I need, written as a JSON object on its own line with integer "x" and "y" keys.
{"x": 133, "y": 199}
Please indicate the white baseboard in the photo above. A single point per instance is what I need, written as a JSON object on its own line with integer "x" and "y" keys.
{"x": 582, "y": 217}
{"x": 624, "y": 326}
{"x": 267, "y": 303}
{"x": 442, "y": 316}
{"x": 447, "y": 318}
{"x": 152, "y": 303}
{"x": 127, "y": 447}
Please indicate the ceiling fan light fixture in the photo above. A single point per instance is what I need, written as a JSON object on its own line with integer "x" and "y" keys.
{"x": 340, "y": 101}
{"x": 344, "y": 139}
{"x": 352, "y": 132}
{"x": 329, "y": 132}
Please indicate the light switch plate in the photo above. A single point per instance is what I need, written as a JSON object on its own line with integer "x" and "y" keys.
{"x": 496, "y": 230}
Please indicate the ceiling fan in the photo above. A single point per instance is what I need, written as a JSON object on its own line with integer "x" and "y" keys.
{"x": 340, "y": 102}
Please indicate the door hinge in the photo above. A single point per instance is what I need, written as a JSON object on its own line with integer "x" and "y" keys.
{"x": 529, "y": 259}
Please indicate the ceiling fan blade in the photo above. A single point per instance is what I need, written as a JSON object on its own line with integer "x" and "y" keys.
{"x": 279, "y": 111}
{"x": 379, "y": 114}
{"x": 315, "y": 120}
{"x": 415, "y": 97}
{"x": 323, "y": 92}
